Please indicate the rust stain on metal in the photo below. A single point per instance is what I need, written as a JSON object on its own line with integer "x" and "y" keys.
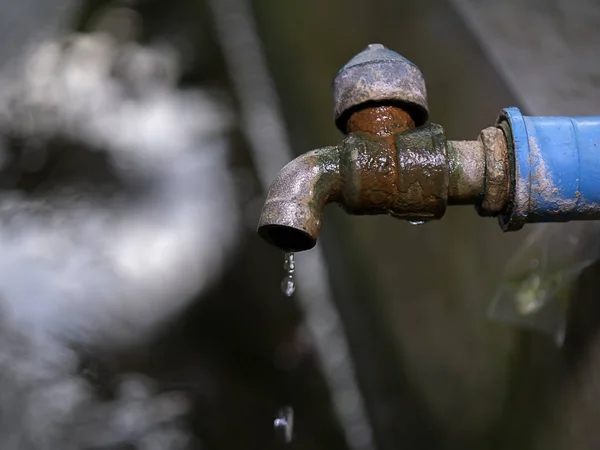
{"x": 497, "y": 172}
{"x": 407, "y": 181}
{"x": 391, "y": 168}
{"x": 370, "y": 174}
{"x": 419, "y": 186}
{"x": 424, "y": 175}
{"x": 382, "y": 121}
{"x": 371, "y": 170}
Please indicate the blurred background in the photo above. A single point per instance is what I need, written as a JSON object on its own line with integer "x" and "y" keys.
{"x": 138, "y": 140}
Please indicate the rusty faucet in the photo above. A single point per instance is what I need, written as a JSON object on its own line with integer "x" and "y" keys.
{"x": 391, "y": 162}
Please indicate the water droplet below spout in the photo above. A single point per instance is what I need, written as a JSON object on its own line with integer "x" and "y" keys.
{"x": 284, "y": 424}
{"x": 288, "y": 285}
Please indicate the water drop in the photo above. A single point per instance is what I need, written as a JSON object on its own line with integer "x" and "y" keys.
{"x": 416, "y": 222}
{"x": 284, "y": 424}
{"x": 290, "y": 263}
{"x": 288, "y": 285}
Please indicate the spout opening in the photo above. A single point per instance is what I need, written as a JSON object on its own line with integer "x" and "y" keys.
{"x": 287, "y": 238}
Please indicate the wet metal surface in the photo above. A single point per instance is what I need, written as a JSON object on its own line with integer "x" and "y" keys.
{"x": 370, "y": 171}
{"x": 382, "y": 121}
{"x": 423, "y": 174}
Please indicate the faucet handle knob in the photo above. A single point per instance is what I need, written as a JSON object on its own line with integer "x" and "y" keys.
{"x": 379, "y": 75}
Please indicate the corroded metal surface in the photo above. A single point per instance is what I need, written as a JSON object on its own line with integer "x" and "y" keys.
{"x": 497, "y": 172}
{"x": 380, "y": 121}
{"x": 291, "y": 216}
{"x": 480, "y": 172}
{"x": 423, "y": 175}
{"x": 379, "y": 75}
{"x": 467, "y": 167}
{"x": 369, "y": 164}
{"x": 369, "y": 170}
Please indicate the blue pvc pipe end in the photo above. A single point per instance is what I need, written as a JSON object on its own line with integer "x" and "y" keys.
{"x": 556, "y": 169}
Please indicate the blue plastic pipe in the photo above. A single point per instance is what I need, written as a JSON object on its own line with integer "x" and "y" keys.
{"x": 556, "y": 168}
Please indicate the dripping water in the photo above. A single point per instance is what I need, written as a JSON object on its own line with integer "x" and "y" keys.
{"x": 288, "y": 285}
{"x": 417, "y": 221}
{"x": 284, "y": 424}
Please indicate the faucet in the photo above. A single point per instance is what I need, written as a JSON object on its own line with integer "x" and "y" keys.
{"x": 521, "y": 170}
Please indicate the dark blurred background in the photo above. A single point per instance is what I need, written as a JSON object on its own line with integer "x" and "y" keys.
{"x": 405, "y": 307}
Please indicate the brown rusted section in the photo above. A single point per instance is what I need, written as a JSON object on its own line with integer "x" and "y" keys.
{"x": 369, "y": 166}
{"x": 371, "y": 170}
{"x": 381, "y": 177}
{"x": 380, "y": 121}
{"x": 389, "y": 167}
{"x": 497, "y": 172}
{"x": 370, "y": 174}
{"x": 423, "y": 186}
{"x": 402, "y": 174}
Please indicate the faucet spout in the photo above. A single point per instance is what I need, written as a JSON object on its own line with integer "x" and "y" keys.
{"x": 291, "y": 216}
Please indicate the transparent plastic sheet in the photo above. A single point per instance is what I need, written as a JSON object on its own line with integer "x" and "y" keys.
{"x": 535, "y": 289}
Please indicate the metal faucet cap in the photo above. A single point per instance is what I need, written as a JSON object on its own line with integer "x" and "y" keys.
{"x": 379, "y": 75}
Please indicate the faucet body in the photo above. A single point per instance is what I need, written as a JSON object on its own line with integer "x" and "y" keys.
{"x": 522, "y": 169}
